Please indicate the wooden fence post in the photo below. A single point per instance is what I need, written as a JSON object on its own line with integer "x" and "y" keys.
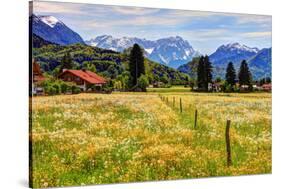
{"x": 227, "y": 141}
{"x": 180, "y": 106}
{"x": 173, "y": 101}
{"x": 195, "y": 119}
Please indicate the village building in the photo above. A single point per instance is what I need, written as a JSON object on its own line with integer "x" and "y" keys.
{"x": 84, "y": 79}
{"x": 217, "y": 87}
{"x": 267, "y": 87}
{"x": 37, "y": 78}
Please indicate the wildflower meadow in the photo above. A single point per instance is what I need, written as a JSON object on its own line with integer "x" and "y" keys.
{"x": 129, "y": 137}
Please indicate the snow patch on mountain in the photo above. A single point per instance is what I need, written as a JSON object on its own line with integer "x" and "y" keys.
{"x": 149, "y": 51}
{"x": 238, "y": 47}
{"x": 163, "y": 59}
{"x": 50, "y": 20}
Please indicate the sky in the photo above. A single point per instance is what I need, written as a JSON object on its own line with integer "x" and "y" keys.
{"x": 205, "y": 31}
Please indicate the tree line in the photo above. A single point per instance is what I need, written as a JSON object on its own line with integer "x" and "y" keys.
{"x": 205, "y": 76}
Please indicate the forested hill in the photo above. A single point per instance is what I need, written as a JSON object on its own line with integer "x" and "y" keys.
{"x": 107, "y": 63}
{"x": 38, "y": 42}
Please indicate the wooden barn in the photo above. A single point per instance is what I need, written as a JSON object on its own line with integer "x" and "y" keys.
{"x": 84, "y": 79}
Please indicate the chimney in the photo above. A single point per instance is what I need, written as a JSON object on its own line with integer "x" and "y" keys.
{"x": 84, "y": 70}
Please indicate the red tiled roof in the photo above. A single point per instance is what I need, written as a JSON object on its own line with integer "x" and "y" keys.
{"x": 87, "y": 76}
{"x": 92, "y": 74}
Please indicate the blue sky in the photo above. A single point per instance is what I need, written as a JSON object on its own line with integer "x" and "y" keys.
{"x": 205, "y": 31}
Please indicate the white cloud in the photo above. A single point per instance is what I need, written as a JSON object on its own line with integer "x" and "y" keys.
{"x": 257, "y": 34}
{"x": 192, "y": 14}
{"x": 205, "y": 35}
{"x": 257, "y": 19}
{"x": 56, "y": 7}
{"x": 136, "y": 21}
{"x": 133, "y": 10}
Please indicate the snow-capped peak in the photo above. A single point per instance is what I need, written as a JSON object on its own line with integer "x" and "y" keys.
{"x": 173, "y": 51}
{"x": 49, "y": 20}
{"x": 237, "y": 46}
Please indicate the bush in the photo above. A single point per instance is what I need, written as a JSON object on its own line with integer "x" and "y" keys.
{"x": 117, "y": 85}
{"x": 50, "y": 90}
{"x": 64, "y": 87}
{"x": 75, "y": 89}
{"x": 227, "y": 88}
{"x": 107, "y": 88}
{"x": 57, "y": 87}
{"x": 236, "y": 89}
{"x": 52, "y": 87}
{"x": 143, "y": 82}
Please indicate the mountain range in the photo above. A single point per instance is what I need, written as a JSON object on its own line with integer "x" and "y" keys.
{"x": 233, "y": 52}
{"x": 54, "y": 30}
{"x": 171, "y": 51}
{"x": 174, "y": 52}
{"x": 259, "y": 61}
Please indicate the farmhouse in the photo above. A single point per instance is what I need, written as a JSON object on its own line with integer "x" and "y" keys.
{"x": 37, "y": 78}
{"x": 84, "y": 79}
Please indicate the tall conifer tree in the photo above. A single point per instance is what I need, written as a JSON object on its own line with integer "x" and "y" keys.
{"x": 244, "y": 75}
{"x": 200, "y": 73}
{"x": 230, "y": 75}
{"x": 136, "y": 64}
{"x": 208, "y": 69}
